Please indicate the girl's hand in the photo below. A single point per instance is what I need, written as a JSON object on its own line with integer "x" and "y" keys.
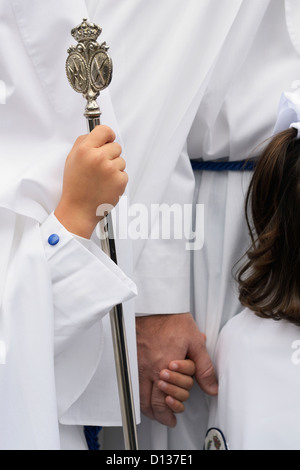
{"x": 176, "y": 382}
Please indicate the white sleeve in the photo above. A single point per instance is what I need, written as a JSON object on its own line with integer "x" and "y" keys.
{"x": 85, "y": 286}
{"x": 162, "y": 272}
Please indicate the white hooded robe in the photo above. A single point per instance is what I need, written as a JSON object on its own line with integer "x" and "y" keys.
{"x": 57, "y": 363}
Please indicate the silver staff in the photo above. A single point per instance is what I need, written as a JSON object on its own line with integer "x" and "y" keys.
{"x": 89, "y": 71}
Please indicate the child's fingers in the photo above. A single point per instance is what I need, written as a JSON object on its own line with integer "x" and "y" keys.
{"x": 175, "y": 378}
{"x": 178, "y": 393}
{"x": 186, "y": 367}
{"x": 175, "y": 405}
{"x": 176, "y": 382}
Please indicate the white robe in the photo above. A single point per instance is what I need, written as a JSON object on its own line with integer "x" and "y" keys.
{"x": 56, "y": 360}
{"x": 199, "y": 80}
{"x": 259, "y": 381}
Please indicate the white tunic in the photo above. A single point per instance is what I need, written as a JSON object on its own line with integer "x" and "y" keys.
{"x": 56, "y": 361}
{"x": 205, "y": 76}
{"x": 259, "y": 382}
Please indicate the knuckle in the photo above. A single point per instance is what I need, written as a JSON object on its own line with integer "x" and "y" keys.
{"x": 100, "y": 157}
{"x": 123, "y": 182}
{"x": 192, "y": 367}
{"x": 159, "y": 407}
{"x": 82, "y": 150}
{"x": 143, "y": 373}
{"x": 121, "y": 179}
{"x": 79, "y": 140}
{"x": 97, "y": 163}
{"x": 207, "y": 372}
{"x": 125, "y": 178}
{"x": 202, "y": 338}
{"x": 190, "y": 383}
{"x": 176, "y": 405}
{"x": 179, "y": 408}
{"x": 145, "y": 406}
{"x": 118, "y": 148}
{"x": 123, "y": 163}
{"x": 108, "y": 133}
{"x": 182, "y": 396}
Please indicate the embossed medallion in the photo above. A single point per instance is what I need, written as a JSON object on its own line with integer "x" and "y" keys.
{"x": 89, "y": 66}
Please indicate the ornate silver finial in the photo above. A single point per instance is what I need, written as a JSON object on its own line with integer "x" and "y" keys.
{"x": 86, "y": 31}
{"x": 89, "y": 67}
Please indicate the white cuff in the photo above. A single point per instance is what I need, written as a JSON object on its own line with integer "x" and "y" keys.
{"x": 85, "y": 285}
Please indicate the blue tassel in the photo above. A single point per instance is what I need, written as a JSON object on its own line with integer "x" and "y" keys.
{"x": 92, "y": 434}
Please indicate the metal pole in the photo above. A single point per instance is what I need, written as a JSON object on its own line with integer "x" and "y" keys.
{"x": 89, "y": 70}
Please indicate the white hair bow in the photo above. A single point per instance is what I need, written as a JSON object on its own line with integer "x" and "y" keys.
{"x": 289, "y": 110}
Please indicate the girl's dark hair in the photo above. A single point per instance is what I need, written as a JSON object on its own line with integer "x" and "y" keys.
{"x": 269, "y": 282}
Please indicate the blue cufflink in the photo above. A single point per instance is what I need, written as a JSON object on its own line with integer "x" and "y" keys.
{"x": 53, "y": 239}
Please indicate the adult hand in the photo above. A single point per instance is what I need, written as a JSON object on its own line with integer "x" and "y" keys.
{"x": 160, "y": 340}
{"x": 94, "y": 175}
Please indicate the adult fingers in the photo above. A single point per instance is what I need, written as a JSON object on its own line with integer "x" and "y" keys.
{"x": 161, "y": 411}
{"x": 205, "y": 372}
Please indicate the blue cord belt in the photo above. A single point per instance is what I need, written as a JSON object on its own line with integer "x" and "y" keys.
{"x": 243, "y": 165}
{"x": 91, "y": 435}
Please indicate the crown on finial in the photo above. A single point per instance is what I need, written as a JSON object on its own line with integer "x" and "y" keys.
{"x": 86, "y": 31}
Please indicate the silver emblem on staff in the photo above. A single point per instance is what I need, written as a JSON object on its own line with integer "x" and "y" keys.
{"x": 89, "y": 71}
{"x": 89, "y": 67}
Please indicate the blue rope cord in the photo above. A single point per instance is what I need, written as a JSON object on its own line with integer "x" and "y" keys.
{"x": 243, "y": 165}
{"x": 91, "y": 434}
